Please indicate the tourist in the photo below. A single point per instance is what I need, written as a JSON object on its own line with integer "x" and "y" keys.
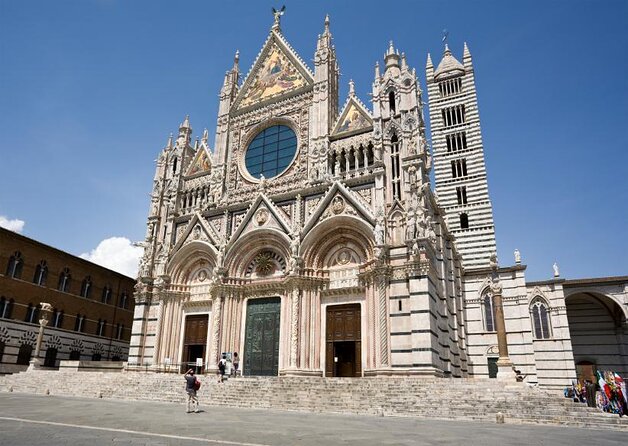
{"x": 236, "y": 364}
{"x": 222, "y": 366}
{"x": 190, "y": 387}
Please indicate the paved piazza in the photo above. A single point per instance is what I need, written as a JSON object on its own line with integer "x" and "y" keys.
{"x": 39, "y": 420}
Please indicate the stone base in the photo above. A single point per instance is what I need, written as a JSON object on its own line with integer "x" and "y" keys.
{"x": 92, "y": 366}
{"x": 418, "y": 371}
{"x": 34, "y": 364}
{"x": 505, "y": 371}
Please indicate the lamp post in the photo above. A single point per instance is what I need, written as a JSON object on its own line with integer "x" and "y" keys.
{"x": 46, "y": 308}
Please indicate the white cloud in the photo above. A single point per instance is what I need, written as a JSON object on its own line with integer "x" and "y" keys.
{"x": 116, "y": 253}
{"x": 14, "y": 225}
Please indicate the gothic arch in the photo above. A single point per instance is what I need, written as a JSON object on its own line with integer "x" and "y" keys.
{"x": 325, "y": 237}
{"x": 191, "y": 255}
{"x": 244, "y": 250}
{"x": 602, "y": 298}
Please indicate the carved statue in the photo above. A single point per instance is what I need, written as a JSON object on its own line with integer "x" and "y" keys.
{"x": 517, "y": 256}
{"x": 277, "y": 15}
{"x": 493, "y": 261}
{"x": 294, "y": 244}
{"x": 556, "y": 270}
{"x": 378, "y": 233}
{"x": 220, "y": 257}
{"x": 411, "y": 227}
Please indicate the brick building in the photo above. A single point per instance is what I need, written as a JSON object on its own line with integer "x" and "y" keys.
{"x": 92, "y": 306}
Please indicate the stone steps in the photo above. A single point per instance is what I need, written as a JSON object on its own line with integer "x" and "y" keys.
{"x": 461, "y": 399}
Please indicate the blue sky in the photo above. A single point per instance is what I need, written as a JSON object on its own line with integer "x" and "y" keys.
{"x": 90, "y": 90}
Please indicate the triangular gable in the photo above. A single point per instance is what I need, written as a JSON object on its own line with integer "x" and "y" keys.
{"x": 396, "y": 207}
{"x": 277, "y": 71}
{"x": 204, "y": 233}
{"x": 330, "y": 205}
{"x": 201, "y": 163}
{"x": 354, "y": 118}
{"x": 261, "y": 213}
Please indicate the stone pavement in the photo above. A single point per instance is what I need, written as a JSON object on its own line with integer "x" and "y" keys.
{"x": 36, "y": 420}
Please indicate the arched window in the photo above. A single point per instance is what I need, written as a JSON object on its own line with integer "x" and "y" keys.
{"x": 464, "y": 221}
{"x": 100, "y": 328}
{"x": 57, "y": 319}
{"x": 51, "y": 357}
{"x": 123, "y": 301}
{"x": 391, "y": 103}
{"x": 79, "y": 323}
{"x": 489, "y": 312}
{"x": 64, "y": 280}
{"x": 539, "y": 313}
{"x": 15, "y": 265}
{"x": 395, "y": 167}
{"x": 41, "y": 274}
{"x": 24, "y": 355}
{"x": 6, "y": 308}
{"x": 32, "y": 313}
{"x": 86, "y": 287}
{"x": 174, "y": 165}
{"x": 106, "y": 295}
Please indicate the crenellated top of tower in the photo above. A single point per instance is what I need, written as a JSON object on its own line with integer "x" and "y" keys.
{"x": 449, "y": 66}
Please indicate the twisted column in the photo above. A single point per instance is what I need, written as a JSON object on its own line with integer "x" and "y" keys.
{"x": 294, "y": 333}
{"x": 383, "y": 320}
{"x": 216, "y": 308}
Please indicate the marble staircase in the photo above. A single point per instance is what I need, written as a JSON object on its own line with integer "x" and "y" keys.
{"x": 459, "y": 399}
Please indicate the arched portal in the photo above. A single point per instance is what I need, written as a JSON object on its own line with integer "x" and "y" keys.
{"x": 599, "y": 334}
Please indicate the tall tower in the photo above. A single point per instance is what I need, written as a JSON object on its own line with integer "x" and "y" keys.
{"x": 459, "y": 168}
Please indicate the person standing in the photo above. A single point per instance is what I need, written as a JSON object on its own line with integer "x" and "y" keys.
{"x": 190, "y": 389}
{"x": 222, "y": 367}
{"x": 236, "y": 364}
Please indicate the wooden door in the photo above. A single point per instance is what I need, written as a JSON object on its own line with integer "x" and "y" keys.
{"x": 344, "y": 341}
{"x": 194, "y": 340}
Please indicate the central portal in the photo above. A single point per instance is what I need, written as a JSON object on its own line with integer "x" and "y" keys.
{"x": 344, "y": 341}
{"x": 261, "y": 344}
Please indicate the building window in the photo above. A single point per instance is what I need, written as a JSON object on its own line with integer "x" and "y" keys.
{"x": 75, "y": 355}
{"x": 456, "y": 141}
{"x": 453, "y": 115}
{"x": 461, "y": 194}
{"x": 15, "y": 265}
{"x": 96, "y": 357}
{"x": 459, "y": 168}
{"x": 489, "y": 312}
{"x": 464, "y": 221}
{"x": 271, "y": 151}
{"x": 123, "y": 301}
{"x": 119, "y": 331}
{"x": 79, "y": 323}
{"x": 51, "y": 357}
{"x": 540, "y": 319}
{"x": 174, "y": 165}
{"x": 32, "y": 313}
{"x": 41, "y": 274}
{"x": 64, "y": 280}
{"x": 395, "y": 167}
{"x": 86, "y": 287}
{"x": 6, "y": 308}
{"x": 450, "y": 87}
{"x": 391, "y": 103}
{"x": 57, "y": 319}
{"x": 24, "y": 354}
{"x": 100, "y": 328}
{"x": 106, "y": 295}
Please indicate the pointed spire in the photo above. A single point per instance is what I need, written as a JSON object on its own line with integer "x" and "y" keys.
{"x": 196, "y": 143}
{"x": 351, "y": 88}
{"x": 327, "y": 24}
{"x": 404, "y": 65}
{"x": 169, "y": 143}
{"x": 186, "y": 123}
{"x": 429, "y": 64}
{"x": 205, "y": 136}
{"x": 376, "y": 70}
{"x": 449, "y": 65}
{"x": 392, "y": 56}
{"x": 391, "y": 48}
{"x": 466, "y": 57}
{"x": 236, "y": 60}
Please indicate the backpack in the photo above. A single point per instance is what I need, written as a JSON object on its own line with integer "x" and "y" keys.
{"x": 221, "y": 365}
{"x": 197, "y": 384}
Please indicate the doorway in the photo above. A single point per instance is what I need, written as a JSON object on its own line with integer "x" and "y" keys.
{"x": 343, "y": 341}
{"x": 261, "y": 343}
{"x": 194, "y": 342}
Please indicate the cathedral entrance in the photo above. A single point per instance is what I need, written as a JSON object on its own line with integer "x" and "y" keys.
{"x": 343, "y": 341}
{"x": 195, "y": 341}
{"x": 261, "y": 343}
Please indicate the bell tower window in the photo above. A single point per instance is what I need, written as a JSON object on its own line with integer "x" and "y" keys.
{"x": 395, "y": 167}
{"x": 391, "y": 103}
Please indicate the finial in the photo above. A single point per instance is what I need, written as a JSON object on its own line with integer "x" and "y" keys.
{"x": 236, "y": 58}
{"x": 429, "y": 64}
{"x": 517, "y": 257}
{"x": 391, "y": 48}
{"x": 556, "y": 270}
{"x": 376, "y": 70}
{"x": 403, "y": 60}
{"x": 327, "y": 23}
{"x": 186, "y": 122}
{"x": 277, "y": 15}
{"x": 205, "y": 136}
{"x": 445, "y": 36}
{"x": 169, "y": 143}
{"x": 351, "y": 88}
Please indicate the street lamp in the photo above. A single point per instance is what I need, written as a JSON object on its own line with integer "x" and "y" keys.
{"x": 44, "y": 312}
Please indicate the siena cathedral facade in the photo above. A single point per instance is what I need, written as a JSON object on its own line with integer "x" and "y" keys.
{"x": 309, "y": 238}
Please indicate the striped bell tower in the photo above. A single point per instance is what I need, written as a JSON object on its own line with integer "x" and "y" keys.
{"x": 459, "y": 169}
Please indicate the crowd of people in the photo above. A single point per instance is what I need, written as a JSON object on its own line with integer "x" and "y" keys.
{"x": 607, "y": 394}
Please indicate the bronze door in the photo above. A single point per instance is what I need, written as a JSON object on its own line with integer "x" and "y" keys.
{"x": 344, "y": 341}
{"x": 261, "y": 344}
{"x": 194, "y": 341}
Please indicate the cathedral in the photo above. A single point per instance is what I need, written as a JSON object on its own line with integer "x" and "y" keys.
{"x": 310, "y": 240}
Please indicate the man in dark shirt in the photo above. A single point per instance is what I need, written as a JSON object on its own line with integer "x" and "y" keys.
{"x": 190, "y": 388}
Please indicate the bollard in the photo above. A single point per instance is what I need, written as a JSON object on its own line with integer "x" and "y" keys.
{"x": 47, "y": 391}
{"x": 99, "y": 395}
{"x": 499, "y": 418}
